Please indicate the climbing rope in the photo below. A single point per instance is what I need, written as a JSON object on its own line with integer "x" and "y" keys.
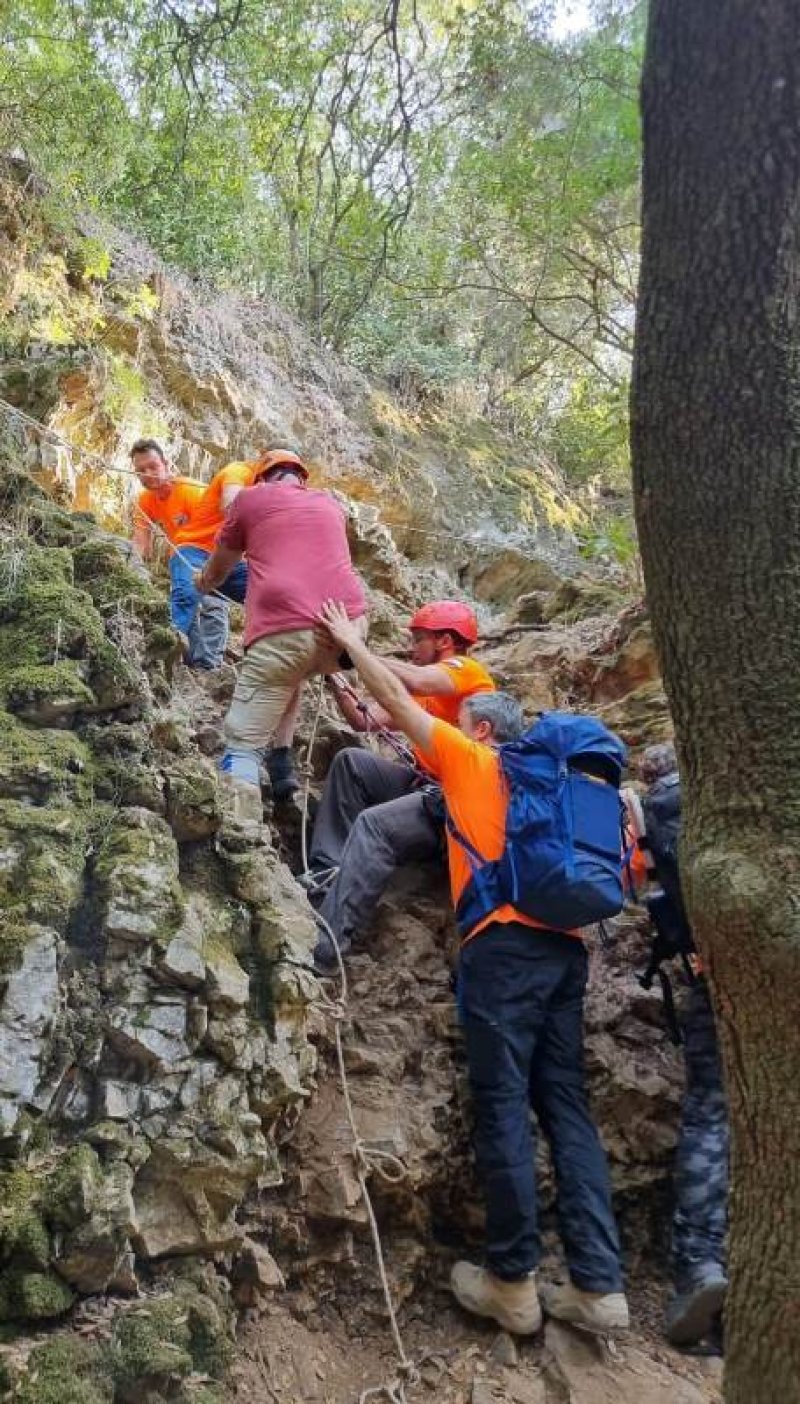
{"x": 366, "y": 1158}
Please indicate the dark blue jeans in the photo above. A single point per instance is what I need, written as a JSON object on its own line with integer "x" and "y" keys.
{"x": 521, "y": 1002}
{"x": 203, "y": 618}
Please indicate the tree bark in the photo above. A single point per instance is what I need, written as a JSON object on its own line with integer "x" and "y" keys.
{"x": 716, "y": 450}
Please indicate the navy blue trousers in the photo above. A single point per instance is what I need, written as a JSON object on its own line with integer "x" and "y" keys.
{"x": 521, "y": 1002}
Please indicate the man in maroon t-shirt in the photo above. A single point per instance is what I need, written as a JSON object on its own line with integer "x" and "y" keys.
{"x": 298, "y": 556}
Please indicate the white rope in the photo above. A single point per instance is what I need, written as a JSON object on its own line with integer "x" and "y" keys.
{"x": 366, "y": 1158}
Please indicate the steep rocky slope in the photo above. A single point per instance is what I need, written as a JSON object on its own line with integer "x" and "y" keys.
{"x": 174, "y": 1151}
{"x": 166, "y": 1141}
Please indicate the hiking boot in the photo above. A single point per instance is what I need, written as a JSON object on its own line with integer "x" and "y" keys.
{"x": 513, "y": 1305}
{"x": 692, "y": 1315}
{"x": 280, "y": 768}
{"x": 324, "y": 956}
{"x": 601, "y": 1312}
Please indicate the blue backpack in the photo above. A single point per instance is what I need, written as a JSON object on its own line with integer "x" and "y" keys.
{"x": 562, "y": 862}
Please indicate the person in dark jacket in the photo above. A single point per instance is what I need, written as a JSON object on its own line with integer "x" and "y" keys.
{"x": 700, "y": 1215}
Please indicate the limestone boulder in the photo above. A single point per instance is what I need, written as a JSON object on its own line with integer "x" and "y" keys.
{"x": 137, "y": 880}
{"x": 28, "y": 1009}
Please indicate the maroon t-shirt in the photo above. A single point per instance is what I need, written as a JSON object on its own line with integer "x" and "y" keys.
{"x": 297, "y": 556}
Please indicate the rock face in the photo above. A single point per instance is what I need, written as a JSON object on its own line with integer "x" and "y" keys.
{"x": 152, "y": 992}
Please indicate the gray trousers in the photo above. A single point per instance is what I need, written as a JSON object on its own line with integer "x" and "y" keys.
{"x": 371, "y": 818}
{"x": 701, "y": 1163}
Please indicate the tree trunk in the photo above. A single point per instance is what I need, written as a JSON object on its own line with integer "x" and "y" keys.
{"x": 716, "y": 449}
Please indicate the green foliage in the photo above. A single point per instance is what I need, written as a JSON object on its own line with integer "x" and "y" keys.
{"x": 444, "y": 192}
{"x": 612, "y": 540}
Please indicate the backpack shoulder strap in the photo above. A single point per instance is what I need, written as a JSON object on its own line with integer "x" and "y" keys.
{"x": 475, "y": 859}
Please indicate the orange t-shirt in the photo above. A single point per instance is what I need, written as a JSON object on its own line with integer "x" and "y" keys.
{"x": 477, "y": 801}
{"x": 174, "y": 512}
{"x": 469, "y": 677}
{"x": 207, "y": 516}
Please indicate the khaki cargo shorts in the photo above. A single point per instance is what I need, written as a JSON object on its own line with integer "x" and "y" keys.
{"x": 272, "y": 672}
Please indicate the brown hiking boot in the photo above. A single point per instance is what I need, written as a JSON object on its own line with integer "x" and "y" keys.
{"x": 513, "y": 1305}
{"x": 605, "y": 1313}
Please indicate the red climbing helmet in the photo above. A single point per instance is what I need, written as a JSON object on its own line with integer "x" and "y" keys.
{"x": 450, "y": 615}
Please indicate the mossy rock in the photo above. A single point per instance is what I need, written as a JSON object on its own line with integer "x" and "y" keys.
{"x": 54, "y": 647}
{"x": 43, "y": 850}
{"x": 40, "y": 764}
{"x": 194, "y": 806}
{"x": 27, "y": 1239}
{"x": 136, "y": 878}
{"x": 129, "y": 783}
{"x": 71, "y": 1187}
{"x": 67, "y": 1370}
{"x": 48, "y": 693}
{"x": 157, "y": 1344}
{"x": 27, "y": 1295}
{"x": 150, "y": 1345}
{"x": 54, "y": 526}
{"x": 22, "y": 1231}
{"x": 583, "y": 598}
{"x": 8, "y": 1376}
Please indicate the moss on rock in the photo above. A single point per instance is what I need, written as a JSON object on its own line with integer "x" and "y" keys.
{"x": 32, "y": 1296}
{"x": 53, "y": 641}
{"x": 47, "y": 693}
{"x": 582, "y": 598}
{"x": 67, "y": 1370}
{"x": 169, "y": 1338}
{"x": 71, "y": 1187}
{"x": 41, "y": 763}
{"x": 151, "y": 1344}
{"x": 43, "y": 848}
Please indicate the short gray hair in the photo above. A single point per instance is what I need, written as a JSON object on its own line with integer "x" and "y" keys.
{"x": 658, "y": 761}
{"x": 501, "y": 710}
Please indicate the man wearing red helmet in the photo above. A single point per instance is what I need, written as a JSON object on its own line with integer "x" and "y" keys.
{"x": 374, "y": 813}
{"x": 296, "y": 545}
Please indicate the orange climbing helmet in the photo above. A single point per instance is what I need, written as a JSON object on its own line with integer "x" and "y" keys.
{"x": 278, "y": 458}
{"x": 447, "y": 616}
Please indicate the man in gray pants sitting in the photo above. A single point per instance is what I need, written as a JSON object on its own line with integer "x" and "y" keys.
{"x": 376, "y": 813}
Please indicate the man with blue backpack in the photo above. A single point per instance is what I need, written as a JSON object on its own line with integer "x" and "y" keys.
{"x": 534, "y": 830}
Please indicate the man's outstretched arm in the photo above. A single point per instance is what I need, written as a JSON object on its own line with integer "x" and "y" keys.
{"x": 216, "y": 569}
{"x": 432, "y": 680}
{"x": 387, "y": 690}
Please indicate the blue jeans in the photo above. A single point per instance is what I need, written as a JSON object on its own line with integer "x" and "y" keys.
{"x": 203, "y": 618}
{"x": 521, "y": 1004}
